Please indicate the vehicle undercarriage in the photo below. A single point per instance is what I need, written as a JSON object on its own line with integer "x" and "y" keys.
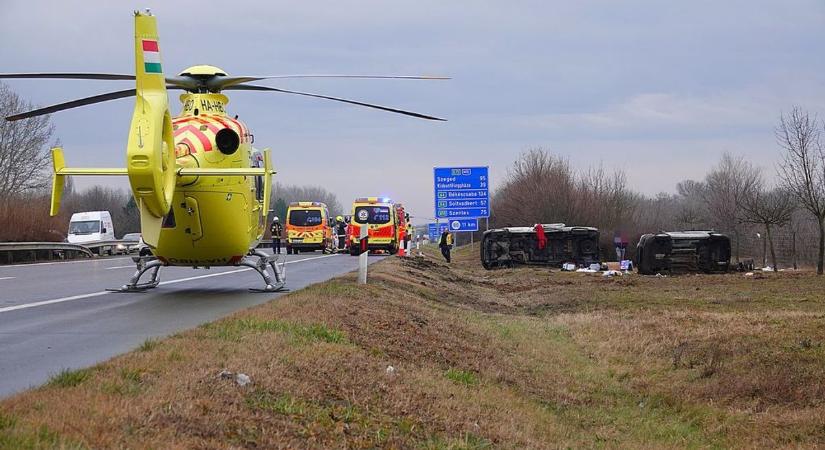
{"x": 512, "y": 246}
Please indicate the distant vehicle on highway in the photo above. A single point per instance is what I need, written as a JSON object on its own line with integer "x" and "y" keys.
{"x": 92, "y": 226}
{"x": 139, "y": 246}
{"x": 380, "y": 216}
{"x": 129, "y": 247}
{"x": 309, "y": 227}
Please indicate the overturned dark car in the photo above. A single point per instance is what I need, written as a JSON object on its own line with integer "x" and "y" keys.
{"x": 555, "y": 245}
{"x": 683, "y": 252}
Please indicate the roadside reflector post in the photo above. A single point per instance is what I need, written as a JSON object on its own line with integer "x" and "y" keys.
{"x": 362, "y": 258}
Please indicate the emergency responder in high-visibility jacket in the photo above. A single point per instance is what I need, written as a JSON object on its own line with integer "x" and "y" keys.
{"x": 341, "y": 232}
{"x": 409, "y": 235}
{"x": 277, "y": 230}
{"x": 446, "y": 244}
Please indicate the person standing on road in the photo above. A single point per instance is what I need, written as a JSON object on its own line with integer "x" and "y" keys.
{"x": 277, "y": 229}
{"x": 446, "y": 244}
{"x": 341, "y": 231}
{"x": 409, "y": 233}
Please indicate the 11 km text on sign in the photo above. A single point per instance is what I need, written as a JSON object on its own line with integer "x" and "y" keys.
{"x": 461, "y": 192}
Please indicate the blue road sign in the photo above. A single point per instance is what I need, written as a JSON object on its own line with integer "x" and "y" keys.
{"x": 461, "y": 192}
{"x": 463, "y": 225}
{"x": 434, "y": 231}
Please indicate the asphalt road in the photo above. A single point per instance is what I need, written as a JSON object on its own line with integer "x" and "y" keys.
{"x": 58, "y": 315}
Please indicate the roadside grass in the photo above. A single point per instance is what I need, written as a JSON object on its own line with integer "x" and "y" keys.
{"x": 523, "y": 358}
{"x": 234, "y": 330}
{"x": 459, "y": 376}
{"x": 69, "y": 378}
{"x": 14, "y": 437}
{"x": 148, "y": 345}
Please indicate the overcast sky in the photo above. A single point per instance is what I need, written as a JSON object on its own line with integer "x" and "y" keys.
{"x": 657, "y": 88}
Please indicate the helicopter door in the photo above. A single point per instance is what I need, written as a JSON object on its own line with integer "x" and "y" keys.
{"x": 194, "y": 218}
{"x": 257, "y": 160}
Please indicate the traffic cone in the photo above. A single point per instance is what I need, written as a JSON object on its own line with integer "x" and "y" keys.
{"x": 401, "y": 251}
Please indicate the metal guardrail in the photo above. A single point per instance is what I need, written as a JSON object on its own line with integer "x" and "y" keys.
{"x": 11, "y": 252}
{"x": 50, "y": 250}
{"x": 115, "y": 243}
{"x": 36, "y": 246}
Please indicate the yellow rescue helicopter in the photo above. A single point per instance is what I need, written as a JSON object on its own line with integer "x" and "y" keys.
{"x": 202, "y": 188}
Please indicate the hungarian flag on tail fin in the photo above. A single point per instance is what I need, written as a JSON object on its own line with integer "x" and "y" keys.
{"x": 151, "y": 56}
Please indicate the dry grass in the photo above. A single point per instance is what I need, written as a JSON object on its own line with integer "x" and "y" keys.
{"x": 506, "y": 359}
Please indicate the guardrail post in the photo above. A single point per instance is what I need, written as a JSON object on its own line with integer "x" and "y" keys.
{"x": 365, "y": 253}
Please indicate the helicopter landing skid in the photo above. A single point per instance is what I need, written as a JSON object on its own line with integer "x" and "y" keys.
{"x": 143, "y": 265}
{"x": 261, "y": 262}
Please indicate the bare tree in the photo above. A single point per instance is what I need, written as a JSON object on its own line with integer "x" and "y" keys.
{"x": 726, "y": 187}
{"x": 693, "y": 211}
{"x": 603, "y": 199}
{"x": 24, "y": 155}
{"x": 769, "y": 208}
{"x": 537, "y": 189}
{"x": 802, "y": 169}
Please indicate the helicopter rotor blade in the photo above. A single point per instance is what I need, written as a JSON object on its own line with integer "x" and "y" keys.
{"x": 224, "y": 82}
{"x": 185, "y": 82}
{"x": 182, "y": 82}
{"x": 247, "y": 87}
{"x": 76, "y": 103}
{"x": 72, "y": 104}
{"x": 71, "y": 76}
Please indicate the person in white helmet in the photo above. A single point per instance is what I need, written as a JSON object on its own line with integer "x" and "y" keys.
{"x": 277, "y": 229}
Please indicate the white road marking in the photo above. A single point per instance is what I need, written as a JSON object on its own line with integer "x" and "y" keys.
{"x": 64, "y": 262}
{"x": 7, "y": 278}
{"x": 120, "y": 267}
{"x": 98, "y": 294}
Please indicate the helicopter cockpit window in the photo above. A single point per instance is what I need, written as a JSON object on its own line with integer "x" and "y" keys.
{"x": 305, "y": 218}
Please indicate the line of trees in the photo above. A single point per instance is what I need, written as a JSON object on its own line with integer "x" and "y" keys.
{"x": 25, "y": 216}
{"x": 735, "y": 197}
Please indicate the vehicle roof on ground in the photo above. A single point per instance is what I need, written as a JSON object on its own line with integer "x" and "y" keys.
{"x": 548, "y": 228}
{"x": 691, "y": 234}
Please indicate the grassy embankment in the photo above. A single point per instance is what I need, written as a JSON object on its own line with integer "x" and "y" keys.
{"x": 511, "y": 358}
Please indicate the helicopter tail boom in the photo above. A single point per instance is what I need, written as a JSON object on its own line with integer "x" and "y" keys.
{"x": 61, "y": 172}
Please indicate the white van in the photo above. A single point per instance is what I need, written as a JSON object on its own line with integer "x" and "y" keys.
{"x": 90, "y": 226}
